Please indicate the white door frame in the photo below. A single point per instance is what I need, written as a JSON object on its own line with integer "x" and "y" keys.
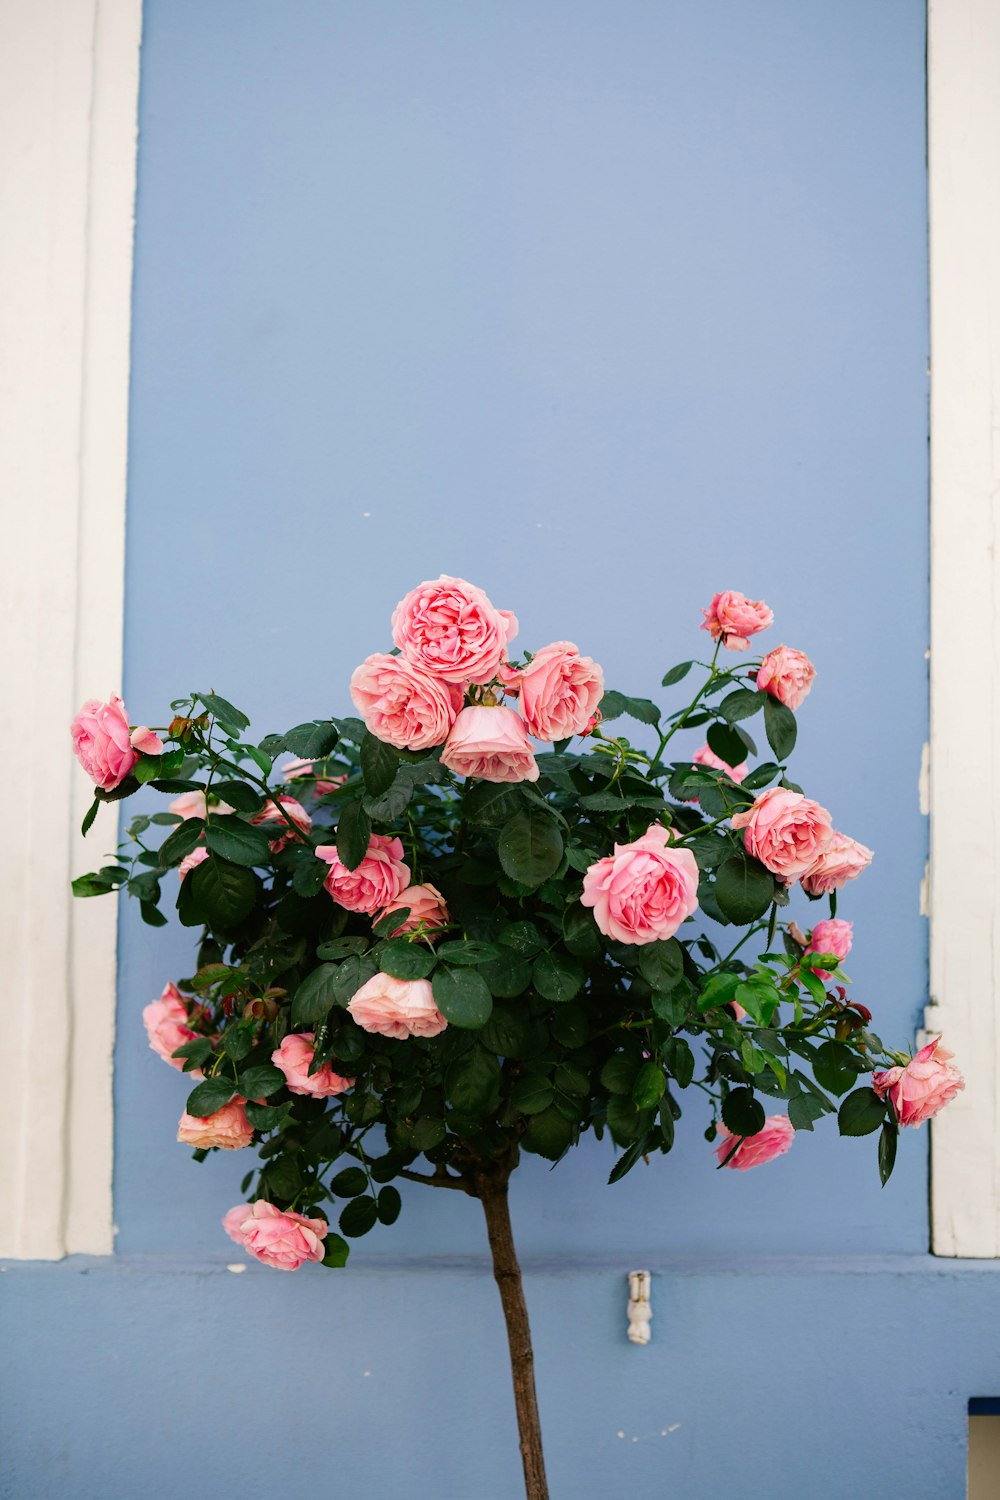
{"x": 69, "y": 72}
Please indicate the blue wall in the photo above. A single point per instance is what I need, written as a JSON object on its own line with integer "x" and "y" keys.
{"x": 604, "y": 307}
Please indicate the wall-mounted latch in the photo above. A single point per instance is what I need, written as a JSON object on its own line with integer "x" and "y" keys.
{"x": 639, "y": 1310}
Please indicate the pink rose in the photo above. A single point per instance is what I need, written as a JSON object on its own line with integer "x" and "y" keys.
{"x": 234, "y": 1221}
{"x": 402, "y": 704}
{"x": 491, "y": 743}
{"x": 920, "y": 1090}
{"x": 294, "y": 1058}
{"x": 271, "y": 816}
{"x": 785, "y": 831}
{"x": 397, "y": 1007}
{"x": 193, "y": 805}
{"x": 733, "y": 618}
{"x": 279, "y": 1238}
{"x": 189, "y": 861}
{"x": 145, "y": 741}
{"x": 228, "y": 1128}
{"x": 644, "y": 891}
{"x": 166, "y": 1023}
{"x": 101, "y": 742}
{"x": 831, "y": 936}
{"x": 450, "y": 629}
{"x": 305, "y": 770}
{"x": 560, "y": 691}
{"x": 754, "y": 1150}
{"x": 426, "y": 906}
{"x": 707, "y": 757}
{"x": 786, "y": 674}
{"x": 842, "y": 860}
{"x": 378, "y": 879}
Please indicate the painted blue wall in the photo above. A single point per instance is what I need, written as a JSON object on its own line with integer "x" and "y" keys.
{"x": 604, "y": 307}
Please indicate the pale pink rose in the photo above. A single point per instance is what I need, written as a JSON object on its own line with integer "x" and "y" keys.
{"x": 831, "y": 936}
{"x": 560, "y": 691}
{"x": 490, "y": 743}
{"x": 228, "y": 1128}
{"x": 754, "y": 1150}
{"x": 192, "y": 805}
{"x": 166, "y": 1023}
{"x": 738, "y": 1010}
{"x": 786, "y": 674}
{"x": 146, "y": 741}
{"x": 842, "y": 860}
{"x": 305, "y": 770}
{"x": 426, "y": 907}
{"x": 919, "y": 1091}
{"x": 644, "y": 891}
{"x": 282, "y": 1239}
{"x": 378, "y": 879}
{"x": 707, "y": 757}
{"x": 402, "y": 704}
{"x": 397, "y": 1007}
{"x": 785, "y": 830}
{"x": 234, "y": 1221}
{"x": 450, "y": 629}
{"x": 509, "y": 676}
{"x": 733, "y": 618}
{"x": 270, "y": 816}
{"x": 294, "y": 1058}
{"x": 189, "y": 861}
{"x": 101, "y": 742}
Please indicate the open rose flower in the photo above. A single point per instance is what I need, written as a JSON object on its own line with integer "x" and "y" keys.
{"x": 773, "y": 1140}
{"x": 397, "y": 1007}
{"x": 271, "y": 816}
{"x": 305, "y": 770}
{"x": 426, "y": 906}
{"x": 786, "y": 674}
{"x": 921, "y": 1090}
{"x": 378, "y": 879}
{"x": 228, "y": 1128}
{"x": 166, "y": 1023}
{"x": 191, "y": 861}
{"x": 403, "y": 704}
{"x": 279, "y": 1238}
{"x": 831, "y": 936}
{"x": 294, "y": 1059}
{"x": 842, "y": 860}
{"x": 491, "y": 743}
{"x": 102, "y": 742}
{"x": 560, "y": 691}
{"x": 450, "y": 629}
{"x": 733, "y": 618}
{"x": 644, "y": 891}
{"x": 785, "y": 830}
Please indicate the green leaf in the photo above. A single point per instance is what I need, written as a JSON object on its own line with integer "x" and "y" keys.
{"x": 359, "y": 1216}
{"x": 626, "y": 1162}
{"x": 742, "y": 1113}
{"x": 209, "y": 1096}
{"x": 804, "y": 1110}
{"x": 677, "y": 674}
{"x": 649, "y": 1086}
{"x": 779, "y": 726}
{"x": 612, "y": 705}
{"x": 508, "y": 1032}
{"x": 557, "y": 976}
{"x": 180, "y": 843}
{"x": 350, "y": 1183}
{"x": 832, "y": 1067}
{"x": 471, "y": 1082}
{"x": 742, "y": 704}
{"x": 405, "y": 960}
{"x": 341, "y": 947}
{"x": 261, "y": 1082}
{"x": 94, "y": 884}
{"x": 531, "y": 1095}
{"x": 642, "y": 709}
{"x": 316, "y": 995}
{"x": 624, "y": 1120}
{"x": 224, "y": 893}
{"x": 151, "y": 914}
{"x": 760, "y": 776}
{"x": 237, "y": 1040}
{"x": 235, "y": 840}
{"x": 887, "y": 1151}
{"x": 491, "y": 802}
{"x": 618, "y": 1073}
{"x": 237, "y": 794}
{"x": 354, "y": 833}
{"x": 726, "y": 743}
{"x": 462, "y": 997}
{"x": 428, "y": 1132}
{"x": 679, "y": 1059}
{"x": 379, "y": 763}
{"x": 229, "y": 717}
{"x": 389, "y": 1205}
{"x": 662, "y": 964}
{"x": 309, "y": 876}
{"x": 530, "y": 846}
{"x": 313, "y": 740}
{"x": 468, "y": 953}
{"x": 580, "y": 932}
{"x": 336, "y": 1251}
{"x": 523, "y": 937}
{"x": 549, "y": 1134}
{"x": 861, "y": 1112}
{"x": 743, "y": 889}
{"x": 89, "y": 816}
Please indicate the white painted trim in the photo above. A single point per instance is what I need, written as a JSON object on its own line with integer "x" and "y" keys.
{"x": 964, "y": 159}
{"x": 69, "y": 72}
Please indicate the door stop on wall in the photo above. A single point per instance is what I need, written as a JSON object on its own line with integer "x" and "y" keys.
{"x": 639, "y": 1311}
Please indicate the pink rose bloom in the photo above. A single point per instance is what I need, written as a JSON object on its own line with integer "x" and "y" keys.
{"x": 280, "y": 1238}
{"x": 234, "y": 1221}
{"x": 920, "y": 1090}
{"x": 376, "y": 882}
{"x": 842, "y": 860}
{"x": 397, "y": 1007}
{"x": 426, "y": 907}
{"x": 402, "y": 704}
{"x": 831, "y": 936}
{"x": 450, "y": 629}
{"x": 146, "y": 741}
{"x": 294, "y": 1058}
{"x": 101, "y": 742}
{"x": 301, "y": 770}
{"x": 166, "y": 1023}
{"x": 491, "y": 743}
{"x": 193, "y": 805}
{"x": 785, "y": 831}
{"x": 644, "y": 891}
{"x": 754, "y": 1150}
{"x": 786, "y": 674}
{"x": 271, "y": 816}
{"x": 707, "y": 757}
{"x": 228, "y": 1128}
{"x": 189, "y": 861}
{"x": 560, "y": 691}
{"x": 733, "y": 618}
